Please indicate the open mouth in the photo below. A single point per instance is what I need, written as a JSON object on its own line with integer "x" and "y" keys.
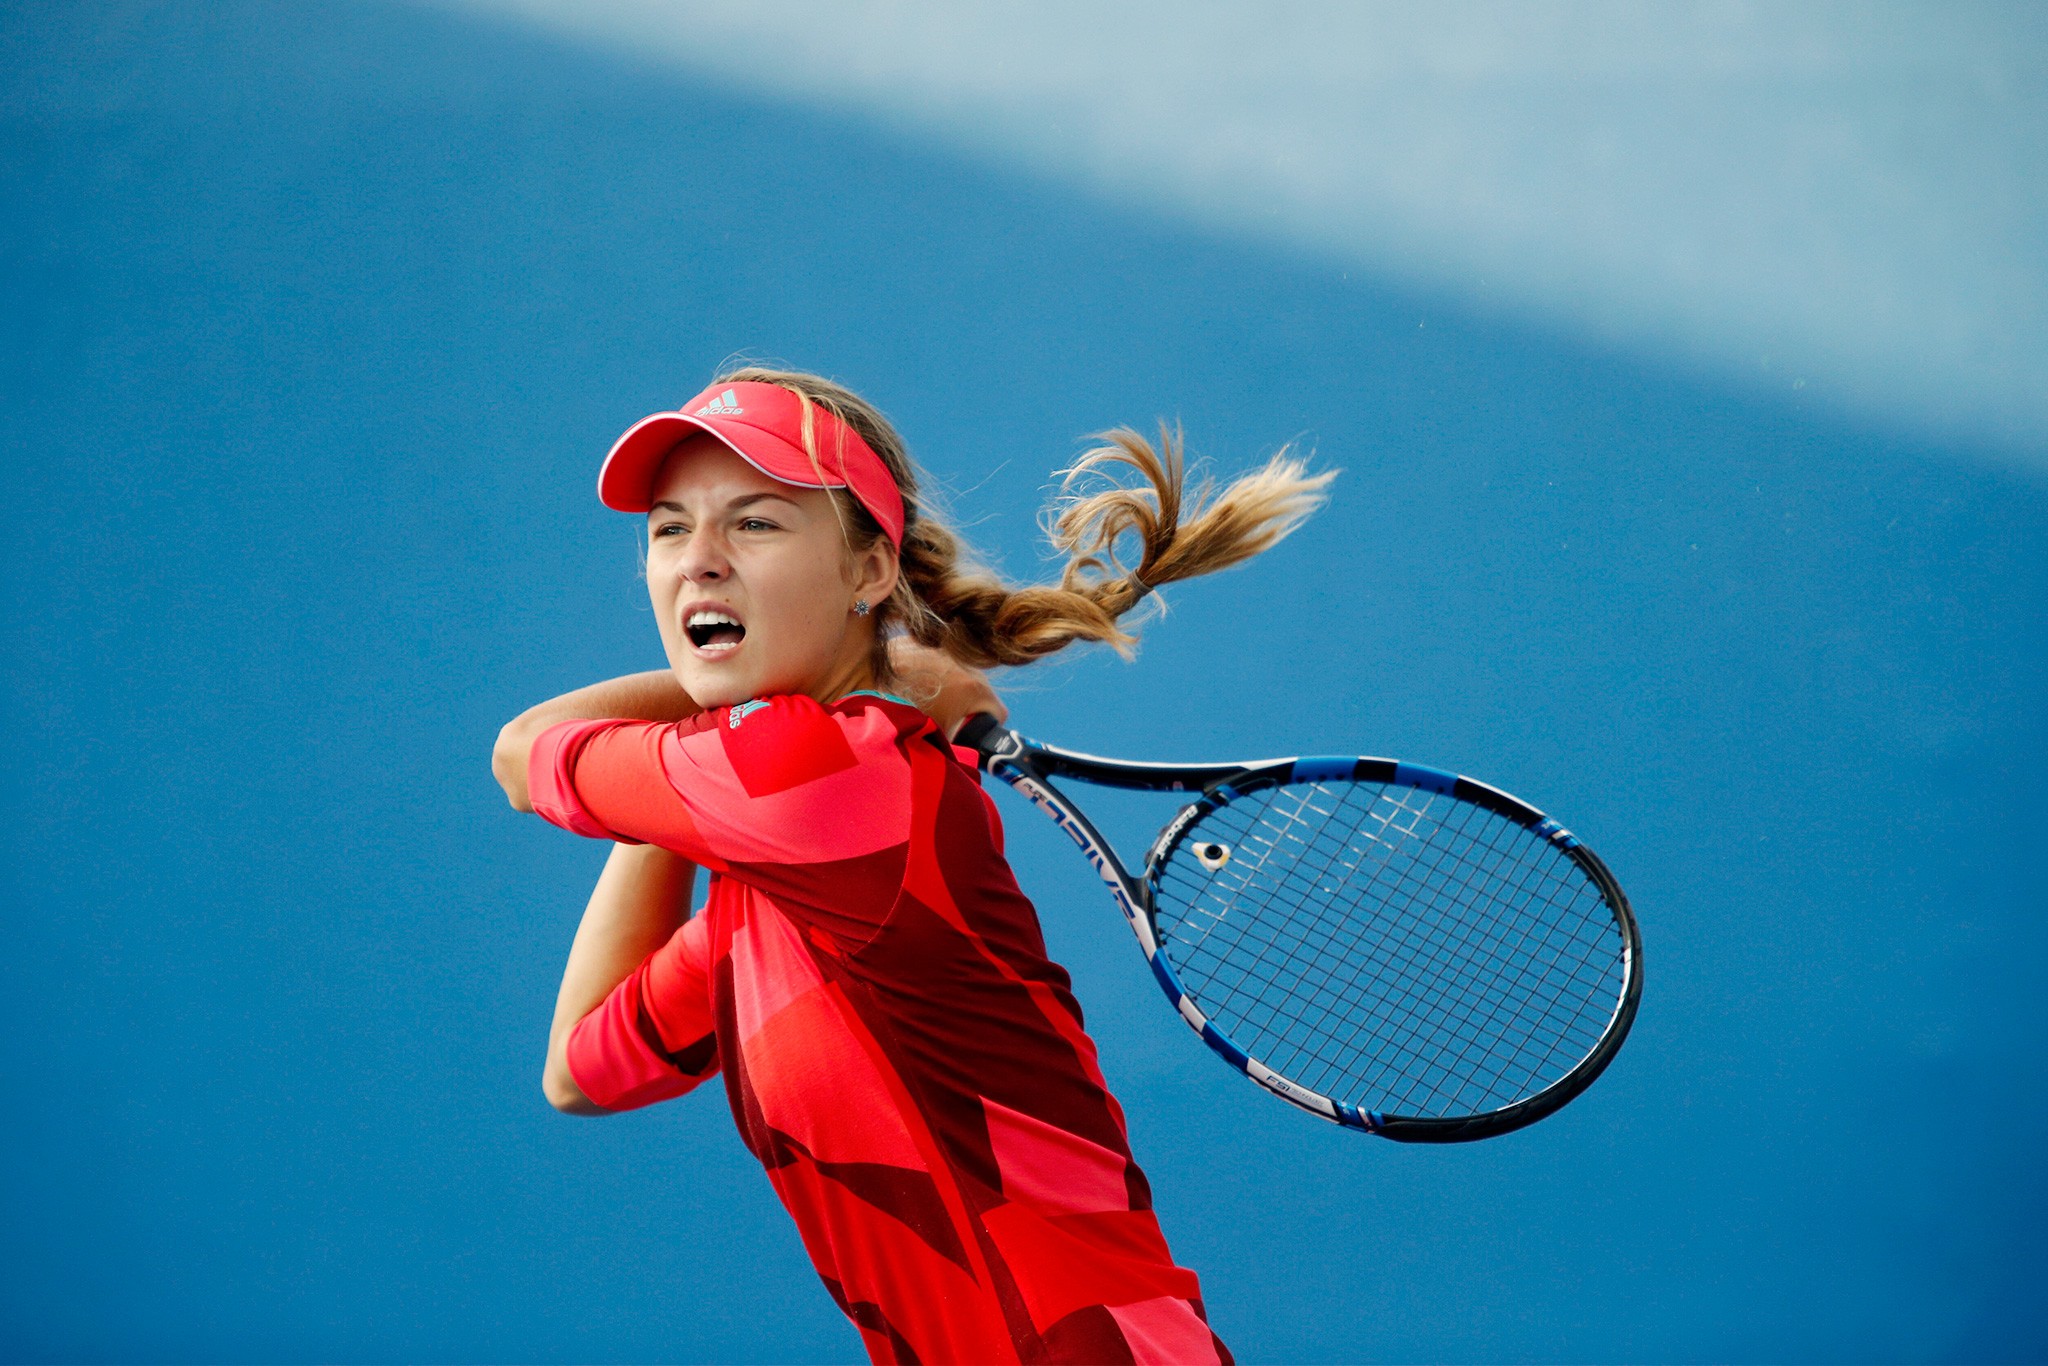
{"x": 714, "y": 632}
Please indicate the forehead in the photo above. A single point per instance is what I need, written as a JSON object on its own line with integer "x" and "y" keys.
{"x": 704, "y": 469}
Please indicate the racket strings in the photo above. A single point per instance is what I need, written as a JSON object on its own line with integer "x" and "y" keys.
{"x": 1425, "y": 1028}
{"x": 1489, "y": 1035}
{"x": 1463, "y": 1029}
{"x": 1393, "y": 947}
{"x": 1465, "y": 1026}
{"x": 1438, "y": 1025}
{"x": 1299, "y": 1018}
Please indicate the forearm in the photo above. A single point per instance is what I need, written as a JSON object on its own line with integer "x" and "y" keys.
{"x": 651, "y": 696}
{"x": 641, "y": 899}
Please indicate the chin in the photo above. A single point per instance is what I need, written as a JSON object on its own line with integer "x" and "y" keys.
{"x": 712, "y": 691}
{"x": 726, "y": 696}
{"x": 728, "y": 684}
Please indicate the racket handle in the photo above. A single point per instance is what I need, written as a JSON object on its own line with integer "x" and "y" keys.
{"x": 979, "y": 732}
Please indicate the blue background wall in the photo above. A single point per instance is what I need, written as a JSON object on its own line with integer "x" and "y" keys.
{"x": 317, "y": 322}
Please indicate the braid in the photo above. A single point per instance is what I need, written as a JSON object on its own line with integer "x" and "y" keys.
{"x": 973, "y": 616}
{"x": 952, "y": 603}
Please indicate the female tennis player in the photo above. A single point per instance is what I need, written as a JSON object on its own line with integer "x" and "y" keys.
{"x": 898, "y": 1050}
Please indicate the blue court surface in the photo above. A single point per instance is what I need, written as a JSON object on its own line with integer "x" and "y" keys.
{"x": 318, "y": 320}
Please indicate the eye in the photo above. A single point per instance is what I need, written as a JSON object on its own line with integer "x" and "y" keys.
{"x": 667, "y": 529}
{"x": 756, "y": 524}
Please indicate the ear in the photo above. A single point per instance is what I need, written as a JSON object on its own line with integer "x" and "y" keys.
{"x": 875, "y": 572}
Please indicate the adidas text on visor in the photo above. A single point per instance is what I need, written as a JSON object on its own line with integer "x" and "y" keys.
{"x": 763, "y": 424}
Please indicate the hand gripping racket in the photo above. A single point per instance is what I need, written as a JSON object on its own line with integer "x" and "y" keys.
{"x": 1396, "y": 948}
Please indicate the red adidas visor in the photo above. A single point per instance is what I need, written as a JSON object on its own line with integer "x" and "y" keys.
{"x": 763, "y": 424}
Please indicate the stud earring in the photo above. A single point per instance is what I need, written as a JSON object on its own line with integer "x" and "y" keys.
{"x": 860, "y": 607}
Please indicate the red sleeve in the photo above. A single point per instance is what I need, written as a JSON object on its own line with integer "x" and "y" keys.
{"x": 607, "y": 780}
{"x": 810, "y": 805}
{"x": 549, "y": 785}
{"x": 654, "y": 1037}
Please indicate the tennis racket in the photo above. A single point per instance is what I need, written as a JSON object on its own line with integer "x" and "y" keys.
{"x": 1399, "y": 949}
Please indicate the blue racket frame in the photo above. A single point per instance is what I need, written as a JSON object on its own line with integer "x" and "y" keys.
{"x": 1029, "y": 765}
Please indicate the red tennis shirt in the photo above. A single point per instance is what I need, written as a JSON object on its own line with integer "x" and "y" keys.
{"x": 899, "y": 1052}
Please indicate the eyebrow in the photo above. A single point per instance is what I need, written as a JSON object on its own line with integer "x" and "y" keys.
{"x": 735, "y": 505}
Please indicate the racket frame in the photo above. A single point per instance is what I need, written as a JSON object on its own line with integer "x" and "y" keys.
{"x": 1029, "y": 766}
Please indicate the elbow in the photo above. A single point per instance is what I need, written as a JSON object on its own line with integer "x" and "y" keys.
{"x": 509, "y": 758}
{"x": 565, "y": 1095}
{"x": 568, "y": 1100}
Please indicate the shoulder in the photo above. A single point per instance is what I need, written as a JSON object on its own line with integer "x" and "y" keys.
{"x": 788, "y": 781}
{"x": 773, "y": 744}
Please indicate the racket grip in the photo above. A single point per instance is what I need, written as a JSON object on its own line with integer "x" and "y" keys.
{"x": 976, "y": 729}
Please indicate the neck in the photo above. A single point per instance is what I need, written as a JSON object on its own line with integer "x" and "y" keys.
{"x": 850, "y": 673}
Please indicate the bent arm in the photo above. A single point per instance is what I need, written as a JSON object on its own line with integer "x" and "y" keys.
{"x": 651, "y": 696}
{"x": 948, "y": 691}
{"x": 643, "y": 896}
{"x": 641, "y": 899}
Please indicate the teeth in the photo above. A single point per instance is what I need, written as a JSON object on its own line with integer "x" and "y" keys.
{"x": 712, "y": 619}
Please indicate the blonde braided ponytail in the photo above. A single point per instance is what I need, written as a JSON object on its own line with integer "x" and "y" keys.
{"x": 946, "y": 598}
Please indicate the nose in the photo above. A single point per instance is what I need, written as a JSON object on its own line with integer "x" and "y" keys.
{"x": 705, "y": 559}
